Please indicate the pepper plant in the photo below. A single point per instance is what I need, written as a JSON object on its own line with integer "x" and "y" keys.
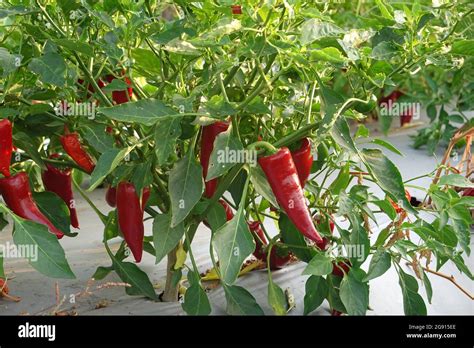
{"x": 236, "y": 118}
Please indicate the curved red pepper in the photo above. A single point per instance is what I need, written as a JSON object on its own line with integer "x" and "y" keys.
{"x": 60, "y": 182}
{"x": 276, "y": 261}
{"x": 303, "y": 159}
{"x": 73, "y": 147}
{"x": 120, "y": 97}
{"x": 282, "y": 176}
{"x": 130, "y": 218}
{"x": 16, "y": 193}
{"x": 6, "y": 146}
{"x": 209, "y": 134}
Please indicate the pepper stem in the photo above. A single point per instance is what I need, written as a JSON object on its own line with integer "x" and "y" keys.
{"x": 267, "y": 146}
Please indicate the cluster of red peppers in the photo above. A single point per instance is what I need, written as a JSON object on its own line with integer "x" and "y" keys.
{"x": 284, "y": 179}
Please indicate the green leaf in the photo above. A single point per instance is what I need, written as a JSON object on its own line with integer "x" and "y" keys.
{"x": 131, "y": 274}
{"x": 455, "y": 180}
{"x": 384, "y": 9}
{"x": 142, "y": 176}
{"x": 186, "y": 186}
{"x": 387, "y": 145}
{"x": 328, "y": 54}
{"x": 387, "y": 176}
{"x": 316, "y": 291}
{"x": 8, "y": 62}
{"x": 386, "y": 207}
{"x": 241, "y": 302}
{"x": 341, "y": 134}
{"x": 319, "y": 265}
{"x": 354, "y": 295}
{"x": 145, "y": 111}
{"x": 97, "y": 137}
{"x": 106, "y": 164}
{"x": 342, "y": 180}
{"x": 428, "y": 288}
{"x": 216, "y": 216}
{"x": 237, "y": 186}
{"x": 314, "y": 29}
{"x": 115, "y": 85}
{"x": 225, "y": 154}
{"x": 463, "y": 47}
{"x": 218, "y": 107}
{"x": 379, "y": 264}
{"x": 51, "y": 68}
{"x": 46, "y": 256}
{"x": 165, "y": 237}
{"x": 26, "y": 143}
{"x": 276, "y": 298}
{"x": 196, "y": 301}
{"x": 166, "y": 133}
{"x": 54, "y": 208}
{"x": 413, "y": 303}
{"x": 2, "y": 270}
{"x": 102, "y": 272}
{"x": 75, "y": 46}
{"x": 291, "y": 235}
{"x": 233, "y": 243}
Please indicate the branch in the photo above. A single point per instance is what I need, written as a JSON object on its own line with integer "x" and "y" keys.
{"x": 451, "y": 279}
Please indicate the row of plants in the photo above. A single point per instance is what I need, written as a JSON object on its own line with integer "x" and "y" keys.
{"x": 236, "y": 117}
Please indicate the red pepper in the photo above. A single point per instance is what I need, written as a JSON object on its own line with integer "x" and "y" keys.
{"x": 276, "y": 261}
{"x": 236, "y": 9}
{"x": 341, "y": 268}
{"x": 303, "y": 160}
{"x": 120, "y": 97}
{"x": 60, "y": 182}
{"x": 111, "y": 196}
{"x": 336, "y": 313}
{"x": 282, "y": 176}
{"x": 6, "y": 146}
{"x": 130, "y": 218}
{"x": 324, "y": 244}
{"x": 399, "y": 209}
{"x": 392, "y": 97}
{"x": 16, "y": 193}
{"x": 209, "y": 134}
{"x": 468, "y": 192}
{"x": 3, "y": 288}
{"x": 73, "y": 147}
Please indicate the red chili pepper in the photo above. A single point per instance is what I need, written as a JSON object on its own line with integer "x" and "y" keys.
{"x": 324, "y": 244}
{"x": 336, "y": 313}
{"x": 3, "y": 287}
{"x": 276, "y": 261}
{"x": 130, "y": 218}
{"x": 6, "y": 146}
{"x": 73, "y": 147}
{"x": 303, "y": 160}
{"x": 120, "y": 97}
{"x": 209, "y": 134}
{"x": 283, "y": 179}
{"x": 399, "y": 209}
{"x": 111, "y": 196}
{"x": 236, "y": 9}
{"x": 16, "y": 193}
{"x": 468, "y": 192}
{"x": 60, "y": 182}
{"x": 341, "y": 267}
{"x": 392, "y": 97}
